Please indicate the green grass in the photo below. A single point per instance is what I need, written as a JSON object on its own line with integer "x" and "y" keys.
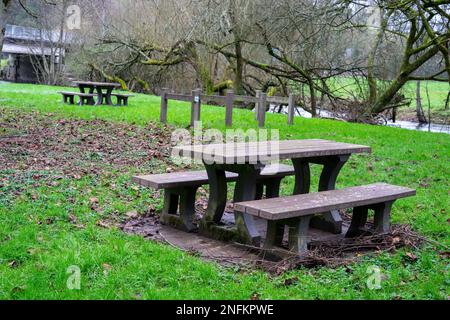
{"x": 3, "y": 63}
{"x": 34, "y": 255}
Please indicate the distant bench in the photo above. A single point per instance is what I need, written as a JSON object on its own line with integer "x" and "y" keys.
{"x": 180, "y": 190}
{"x": 122, "y": 98}
{"x": 85, "y": 98}
{"x": 88, "y": 98}
{"x": 297, "y": 211}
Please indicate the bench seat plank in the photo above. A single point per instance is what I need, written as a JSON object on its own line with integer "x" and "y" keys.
{"x": 313, "y": 203}
{"x": 177, "y": 179}
{"x": 192, "y": 178}
{"x": 67, "y": 93}
{"x": 122, "y": 95}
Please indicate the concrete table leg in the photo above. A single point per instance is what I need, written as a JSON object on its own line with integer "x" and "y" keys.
{"x": 108, "y": 96}
{"x": 332, "y": 166}
{"x": 246, "y": 191}
{"x": 302, "y": 176}
{"x": 382, "y": 218}
{"x": 217, "y": 194}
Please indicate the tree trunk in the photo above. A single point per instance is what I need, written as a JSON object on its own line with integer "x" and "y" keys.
{"x": 419, "y": 110}
{"x": 447, "y": 101}
{"x": 3, "y": 14}
{"x": 313, "y": 97}
{"x": 238, "y": 87}
{"x": 371, "y": 79}
{"x": 388, "y": 95}
{"x": 239, "y": 67}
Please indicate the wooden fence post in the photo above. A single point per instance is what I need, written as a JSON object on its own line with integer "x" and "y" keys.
{"x": 291, "y": 109}
{"x": 163, "y": 115}
{"x": 229, "y": 101}
{"x": 258, "y": 94}
{"x": 196, "y": 106}
{"x": 262, "y": 109}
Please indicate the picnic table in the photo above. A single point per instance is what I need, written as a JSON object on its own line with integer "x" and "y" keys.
{"x": 103, "y": 89}
{"x": 247, "y": 159}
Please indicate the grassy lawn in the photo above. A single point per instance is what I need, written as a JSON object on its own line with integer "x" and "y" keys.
{"x": 49, "y": 217}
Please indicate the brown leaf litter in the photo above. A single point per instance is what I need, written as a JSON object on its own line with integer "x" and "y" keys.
{"x": 36, "y": 141}
{"x": 328, "y": 253}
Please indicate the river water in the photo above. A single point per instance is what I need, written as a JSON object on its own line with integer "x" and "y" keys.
{"x": 409, "y": 125}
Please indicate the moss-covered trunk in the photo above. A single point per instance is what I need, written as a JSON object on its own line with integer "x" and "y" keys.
{"x": 419, "y": 110}
{"x": 238, "y": 80}
{"x": 384, "y": 100}
{"x": 313, "y": 98}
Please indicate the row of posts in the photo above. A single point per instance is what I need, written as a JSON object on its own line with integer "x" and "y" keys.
{"x": 260, "y": 107}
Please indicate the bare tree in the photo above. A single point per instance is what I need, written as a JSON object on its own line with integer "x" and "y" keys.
{"x": 48, "y": 51}
{"x": 423, "y": 29}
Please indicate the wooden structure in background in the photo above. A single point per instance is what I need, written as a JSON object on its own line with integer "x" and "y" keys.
{"x": 197, "y": 98}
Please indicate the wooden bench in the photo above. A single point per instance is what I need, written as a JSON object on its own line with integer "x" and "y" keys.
{"x": 297, "y": 211}
{"x": 122, "y": 98}
{"x": 180, "y": 189}
{"x": 85, "y": 98}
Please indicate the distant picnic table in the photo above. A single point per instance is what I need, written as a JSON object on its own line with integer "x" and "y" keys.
{"x": 102, "y": 89}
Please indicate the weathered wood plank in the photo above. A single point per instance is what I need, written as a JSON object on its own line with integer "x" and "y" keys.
{"x": 98, "y": 84}
{"x": 79, "y": 94}
{"x": 227, "y": 153}
{"x": 308, "y": 204}
{"x": 282, "y": 145}
{"x": 196, "y": 106}
{"x": 258, "y": 94}
{"x": 179, "y": 97}
{"x": 262, "y": 109}
{"x": 164, "y": 106}
{"x": 122, "y": 95}
{"x": 176, "y": 179}
{"x": 278, "y": 100}
{"x": 213, "y": 98}
{"x": 197, "y": 178}
{"x": 229, "y": 103}
{"x": 291, "y": 110}
{"x": 245, "y": 99}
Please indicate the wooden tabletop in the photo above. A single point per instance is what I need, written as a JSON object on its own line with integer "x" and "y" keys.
{"x": 269, "y": 150}
{"x": 98, "y": 84}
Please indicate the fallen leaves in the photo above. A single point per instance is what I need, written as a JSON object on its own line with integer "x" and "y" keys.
{"x": 93, "y": 200}
{"x": 78, "y": 147}
{"x": 106, "y": 269}
{"x": 103, "y": 224}
{"x": 74, "y": 221}
{"x": 291, "y": 281}
{"x": 255, "y": 296}
{"x": 411, "y": 257}
{"x": 132, "y": 214}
